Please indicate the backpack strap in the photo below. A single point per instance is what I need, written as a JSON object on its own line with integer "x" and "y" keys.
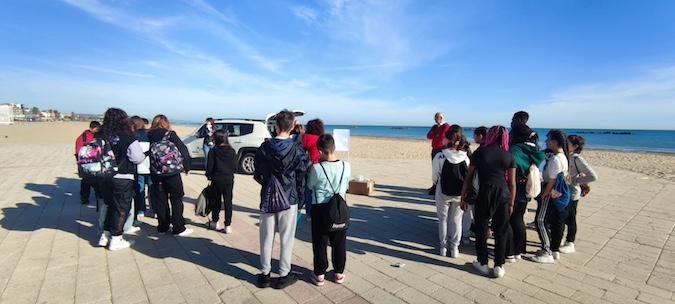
{"x": 84, "y": 138}
{"x": 328, "y": 179}
{"x": 166, "y": 134}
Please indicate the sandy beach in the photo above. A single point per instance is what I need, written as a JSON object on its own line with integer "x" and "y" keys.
{"x": 656, "y": 165}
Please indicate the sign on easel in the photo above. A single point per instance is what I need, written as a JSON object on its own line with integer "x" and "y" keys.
{"x": 341, "y": 137}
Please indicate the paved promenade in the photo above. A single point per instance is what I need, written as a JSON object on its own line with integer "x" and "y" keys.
{"x": 625, "y": 247}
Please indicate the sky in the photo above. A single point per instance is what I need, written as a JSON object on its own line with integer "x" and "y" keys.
{"x": 569, "y": 64}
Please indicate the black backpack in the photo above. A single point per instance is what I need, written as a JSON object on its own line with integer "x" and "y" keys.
{"x": 452, "y": 178}
{"x": 338, "y": 212}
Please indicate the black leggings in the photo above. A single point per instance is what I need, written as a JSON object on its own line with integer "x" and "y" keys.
{"x": 221, "y": 190}
{"x": 571, "y": 221}
{"x": 519, "y": 241}
{"x": 320, "y": 238}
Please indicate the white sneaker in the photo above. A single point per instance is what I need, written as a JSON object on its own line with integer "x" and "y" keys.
{"x": 117, "y": 243}
{"x": 339, "y": 278}
{"x": 228, "y": 229}
{"x": 444, "y": 251}
{"x": 454, "y": 253}
{"x": 483, "y": 269}
{"x": 185, "y": 232}
{"x": 568, "y": 248}
{"x": 543, "y": 257}
{"x": 132, "y": 229}
{"x": 104, "y": 239}
{"x": 556, "y": 255}
{"x": 510, "y": 259}
{"x": 499, "y": 272}
{"x": 517, "y": 256}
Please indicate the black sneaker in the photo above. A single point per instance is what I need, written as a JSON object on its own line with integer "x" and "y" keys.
{"x": 263, "y": 280}
{"x": 286, "y": 281}
{"x": 84, "y": 200}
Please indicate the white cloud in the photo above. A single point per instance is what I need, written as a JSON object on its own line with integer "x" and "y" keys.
{"x": 305, "y": 13}
{"x": 643, "y": 102}
{"x": 113, "y": 71}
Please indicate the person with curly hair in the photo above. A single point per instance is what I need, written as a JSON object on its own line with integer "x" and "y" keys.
{"x": 118, "y": 191}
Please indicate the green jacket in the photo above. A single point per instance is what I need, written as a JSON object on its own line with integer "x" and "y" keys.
{"x": 525, "y": 155}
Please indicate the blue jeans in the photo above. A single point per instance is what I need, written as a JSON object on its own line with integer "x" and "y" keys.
{"x": 206, "y": 148}
{"x": 139, "y": 199}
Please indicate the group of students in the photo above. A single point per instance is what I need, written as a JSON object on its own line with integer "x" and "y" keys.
{"x": 303, "y": 162}
{"x": 502, "y": 164}
{"x": 130, "y": 142}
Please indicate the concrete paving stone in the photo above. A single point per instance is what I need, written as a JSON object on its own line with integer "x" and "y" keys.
{"x": 480, "y": 296}
{"x": 201, "y": 294}
{"x": 514, "y": 296}
{"x": 613, "y": 297}
{"x": 515, "y": 284}
{"x": 190, "y": 279}
{"x": 358, "y": 284}
{"x": 392, "y": 285}
{"x": 378, "y": 295}
{"x": 451, "y": 283}
{"x": 319, "y": 300}
{"x": 650, "y": 298}
{"x": 62, "y": 291}
{"x": 446, "y": 296}
{"x": 166, "y": 294}
{"x": 129, "y": 295}
{"x": 663, "y": 280}
{"x": 359, "y": 268}
{"x": 91, "y": 275}
{"x": 223, "y": 283}
{"x": 553, "y": 298}
{"x": 411, "y": 295}
{"x": 486, "y": 284}
{"x": 303, "y": 291}
{"x": 549, "y": 285}
{"x": 21, "y": 292}
{"x": 271, "y": 295}
{"x": 419, "y": 283}
{"x": 340, "y": 295}
{"x": 95, "y": 292}
{"x": 27, "y": 274}
{"x": 666, "y": 294}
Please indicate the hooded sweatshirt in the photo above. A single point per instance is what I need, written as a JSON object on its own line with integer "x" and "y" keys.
{"x": 454, "y": 157}
{"x": 525, "y": 154}
{"x": 157, "y": 135}
{"x": 222, "y": 164}
{"x": 309, "y": 143}
{"x": 288, "y": 161}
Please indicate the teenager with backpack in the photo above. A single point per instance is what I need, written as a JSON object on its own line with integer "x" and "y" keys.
{"x": 284, "y": 158}
{"x": 328, "y": 177}
{"x": 497, "y": 170}
{"x": 118, "y": 191}
{"x": 449, "y": 169}
{"x": 528, "y": 157}
{"x": 85, "y": 184}
{"x": 168, "y": 157}
{"x": 315, "y": 128}
{"x": 221, "y": 166}
{"x": 581, "y": 173}
{"x": 143, "y": 178}
{"x": 552, "y": 211}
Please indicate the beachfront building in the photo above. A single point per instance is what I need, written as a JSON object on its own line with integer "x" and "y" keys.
{"x": 6, "y": 114}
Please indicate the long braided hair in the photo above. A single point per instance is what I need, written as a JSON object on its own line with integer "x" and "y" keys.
{"x": 498, "y": 134}
{"x": 561, "y": 138}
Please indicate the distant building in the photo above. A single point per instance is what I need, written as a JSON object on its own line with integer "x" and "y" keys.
{"x": 6, "y": 114}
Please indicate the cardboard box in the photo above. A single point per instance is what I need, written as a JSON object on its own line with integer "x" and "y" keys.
{"x": 361, "y": 188}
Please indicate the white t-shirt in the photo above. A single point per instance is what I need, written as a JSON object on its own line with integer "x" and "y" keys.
{"x": 555, "y": 164}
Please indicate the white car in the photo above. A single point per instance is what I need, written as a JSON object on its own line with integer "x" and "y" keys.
{"x": 245, "y": 137}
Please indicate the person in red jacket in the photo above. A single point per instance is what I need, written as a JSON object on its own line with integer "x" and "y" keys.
{"x": 315, "y": 128}
{"x": 436, "y": 134}
{"x": 85, "y": 186}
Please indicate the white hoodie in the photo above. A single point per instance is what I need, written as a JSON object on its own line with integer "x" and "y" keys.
{"x": 454, "y": 157}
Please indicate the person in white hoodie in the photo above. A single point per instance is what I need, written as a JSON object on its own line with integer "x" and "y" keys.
{"x": 449, "y": 169}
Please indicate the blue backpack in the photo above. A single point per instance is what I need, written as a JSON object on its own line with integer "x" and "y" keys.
{"x": 561, "y": 192}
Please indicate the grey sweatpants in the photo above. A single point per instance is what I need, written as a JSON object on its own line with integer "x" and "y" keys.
{"x": 286, "y": 222}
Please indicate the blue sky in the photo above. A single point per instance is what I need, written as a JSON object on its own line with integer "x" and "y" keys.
{"x": 581, "y": 64}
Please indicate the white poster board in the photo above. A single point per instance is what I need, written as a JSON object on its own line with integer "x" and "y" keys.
{"x": 341, "y": 137}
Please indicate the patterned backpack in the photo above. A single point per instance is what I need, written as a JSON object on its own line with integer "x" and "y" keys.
{"x": 96, "y": 160}
{"x": 165, "y": 158}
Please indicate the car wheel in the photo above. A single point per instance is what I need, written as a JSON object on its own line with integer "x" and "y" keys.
{"x": 246, "y": 163}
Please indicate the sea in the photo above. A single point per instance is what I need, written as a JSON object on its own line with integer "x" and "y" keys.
{"x": 609, "y": 139}
{"x": 660, "y": 141}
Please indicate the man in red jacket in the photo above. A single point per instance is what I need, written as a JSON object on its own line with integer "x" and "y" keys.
{"x": 81, "y": 140}
{"x": 436, "y": 134}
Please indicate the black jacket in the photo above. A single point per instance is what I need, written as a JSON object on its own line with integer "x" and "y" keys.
{"x": 288, "y": 161}
{"x": 157, "y": 134}
{"x": 222, "y": 164}
{"x": 119, "y": 146}
{"x": 204, "y": 133}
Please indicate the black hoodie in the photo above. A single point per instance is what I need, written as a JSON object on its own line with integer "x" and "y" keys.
{"x": 288, "y": 161}
{"x": 222, "y": 164}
